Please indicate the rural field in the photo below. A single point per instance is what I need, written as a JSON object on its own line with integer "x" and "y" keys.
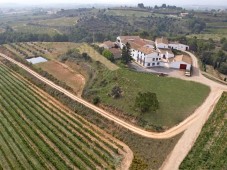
{"x": 64, "y": 21}
{"x": 210, "y": 149}
{"x": 62, "y": 72}
{"x": 177, "y": 98}
{"x": 214, "y": 30}
{"x": 37, "y": 132}
{"x": 128, "y": 13}
{"x": 24, "y": 28}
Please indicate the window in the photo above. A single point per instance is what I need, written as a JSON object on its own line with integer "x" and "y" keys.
{"x": 153, "y": 59}
{"x": 158, "y": 54}
{"x": 153, "y": 64}
{"x": 148, "y": 64}
{"x": 159, "y": 58}
{"x": 158, "y": 63}
{"x": 156, "y": 59}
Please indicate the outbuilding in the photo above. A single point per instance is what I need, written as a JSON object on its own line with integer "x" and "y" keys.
{"x": 181, "y": 62}
{"x": 178, "y": 46}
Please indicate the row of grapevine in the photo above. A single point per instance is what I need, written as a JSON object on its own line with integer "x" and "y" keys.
{"x": 43, "y": 134}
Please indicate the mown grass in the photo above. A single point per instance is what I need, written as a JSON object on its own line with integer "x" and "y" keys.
{"x": 177, "y": 98}
{"x": 210, "y": 149}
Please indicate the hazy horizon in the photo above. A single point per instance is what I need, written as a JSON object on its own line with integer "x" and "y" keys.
{"x": 125, "y": 2}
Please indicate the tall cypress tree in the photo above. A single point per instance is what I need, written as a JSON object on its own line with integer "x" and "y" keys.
{"x": 126, "y": 54}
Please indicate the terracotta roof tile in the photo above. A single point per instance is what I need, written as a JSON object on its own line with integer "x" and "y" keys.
{"x": 183, "y": 58}
{"x": 147, "y": 50}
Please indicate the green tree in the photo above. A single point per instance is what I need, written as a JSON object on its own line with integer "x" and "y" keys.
{"x": 224, "y": 46}
{"x": 223, "y": 40}
{"x": 126, "y": 54}
{"x": 146, "y": 102}
{"x": 141, "y": 5}
{"x": 144, "y": 34}
{"x": 108, "y": 55}
{"x": 96, "y": 100}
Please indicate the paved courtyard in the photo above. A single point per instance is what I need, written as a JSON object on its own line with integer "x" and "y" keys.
{"x": 158, "y": 70}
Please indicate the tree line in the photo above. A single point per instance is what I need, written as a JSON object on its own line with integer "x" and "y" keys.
{"x": 11, "y": 37}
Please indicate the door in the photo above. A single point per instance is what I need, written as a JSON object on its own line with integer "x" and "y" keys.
{"x": 183, "y": 66}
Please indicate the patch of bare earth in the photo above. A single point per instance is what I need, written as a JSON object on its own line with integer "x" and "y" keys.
{"x": 63, "y": 73}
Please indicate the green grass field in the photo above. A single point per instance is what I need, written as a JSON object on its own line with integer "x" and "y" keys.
{"x": 37, "y": 132}
{"x": 177, "y": 98}
{"x": 217, "y": 24}
{"x": 64, "y": 21}
{"x": 128, "y": 13}
{"x": 210, "y": 149}
{"x": 24, "y": 28}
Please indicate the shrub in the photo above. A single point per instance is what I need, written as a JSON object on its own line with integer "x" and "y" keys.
{"x": 96, "y": 100}
{"x": 146, "y": 101}
{"x": 116, "y": 92}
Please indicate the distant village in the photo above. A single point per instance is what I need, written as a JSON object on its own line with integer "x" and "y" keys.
{"x": 147, "y": 53}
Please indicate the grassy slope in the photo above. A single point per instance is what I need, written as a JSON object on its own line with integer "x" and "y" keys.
{"x": 85, "y": 48}
{"x": 177, "y": 98}
{"x": 210, "y": 149}
{"x": 64, "y": 21}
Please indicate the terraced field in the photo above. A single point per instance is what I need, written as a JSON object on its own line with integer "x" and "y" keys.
{"x": 37, "y": 132}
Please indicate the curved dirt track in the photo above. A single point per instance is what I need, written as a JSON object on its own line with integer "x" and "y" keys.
{"x": 204, "y": 109}
{"x": 190, "y": 135}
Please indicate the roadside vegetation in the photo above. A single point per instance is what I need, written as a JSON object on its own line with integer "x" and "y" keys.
{"x": 210, "y": 149}
{"x": 38, "y": 133}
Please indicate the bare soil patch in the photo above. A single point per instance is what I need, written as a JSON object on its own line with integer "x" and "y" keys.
{"x": 63, "y": 73}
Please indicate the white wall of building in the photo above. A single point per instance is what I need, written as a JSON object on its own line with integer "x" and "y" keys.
{"x": 119, "y": 43}
{"x": 179, "y": 47}
{"x": 161, "y": 45}
{"x": 178, "y": 63}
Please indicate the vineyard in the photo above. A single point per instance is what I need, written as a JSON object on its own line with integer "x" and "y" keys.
{"x": 27, "y": 50}
{"x": 210, "y": 149}
{"x": 37, "y": 132}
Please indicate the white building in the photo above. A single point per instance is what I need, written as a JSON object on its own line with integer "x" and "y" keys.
{"x": 178, "y": 46}
{"x": 181, "y": 62}
{"x": 145, "y": 54}
{"x": 147, "y": 57}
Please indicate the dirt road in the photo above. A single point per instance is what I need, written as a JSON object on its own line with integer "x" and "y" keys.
{"x": 191, "y": 133}
{"x": 205, "y": 108}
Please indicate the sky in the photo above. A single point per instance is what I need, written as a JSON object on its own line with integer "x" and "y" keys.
{"x": 131, "y": 2}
